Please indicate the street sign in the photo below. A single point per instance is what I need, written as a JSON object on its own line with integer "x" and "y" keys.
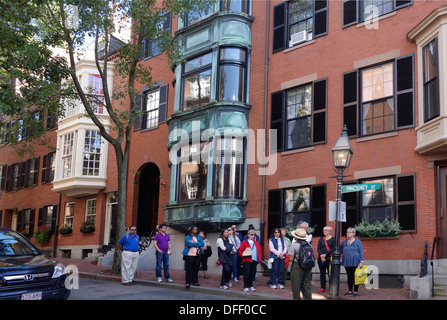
{"x": 361, "y": 187}
{"x": 333, "y": 211}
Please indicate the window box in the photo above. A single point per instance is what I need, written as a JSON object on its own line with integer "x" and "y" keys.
{"x": 66, "y": 229}
{"x": 87, "y": 228}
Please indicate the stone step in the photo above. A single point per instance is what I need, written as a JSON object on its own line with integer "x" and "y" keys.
{"x": 440, "y": 280}
{"x": 440, "y": 266}
{"x": 440, "y": 291}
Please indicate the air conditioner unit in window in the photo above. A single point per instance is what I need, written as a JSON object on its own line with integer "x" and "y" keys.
{"x": 298, "y": 37}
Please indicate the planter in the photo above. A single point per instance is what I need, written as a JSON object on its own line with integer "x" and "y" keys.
{"x": 376, "y": 234}
{"x": 87, "y": 230}
{"x": 65, "y": 231}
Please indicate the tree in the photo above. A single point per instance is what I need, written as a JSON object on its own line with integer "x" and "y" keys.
{"x": 28, "y": 31}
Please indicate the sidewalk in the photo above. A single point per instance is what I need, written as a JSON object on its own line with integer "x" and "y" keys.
{"x": 211, "y": 284}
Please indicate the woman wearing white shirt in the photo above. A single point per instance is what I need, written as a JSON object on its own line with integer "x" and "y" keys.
{"x": 236, "y": 242}
{"x": 278, "y": 250}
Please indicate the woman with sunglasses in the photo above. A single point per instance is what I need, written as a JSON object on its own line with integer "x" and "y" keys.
{"x": 250, "y": 262}
{"x": 191, "y": 255}
{"x": 224, "y": 249}
{"x": 278, "y": 250}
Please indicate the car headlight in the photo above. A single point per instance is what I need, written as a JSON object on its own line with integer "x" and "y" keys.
{"x": 59, "y": 270}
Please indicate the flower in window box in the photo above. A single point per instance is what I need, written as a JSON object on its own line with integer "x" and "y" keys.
{"x": 66, "y": 229}
{"x": 42, "y": 235}
{"x": 377, "y": 228}
{"x": 87, "y": 228}
{"x": 24, "y": 233}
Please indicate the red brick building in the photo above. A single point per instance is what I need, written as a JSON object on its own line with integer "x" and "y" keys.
{"x": 306, "y": 69}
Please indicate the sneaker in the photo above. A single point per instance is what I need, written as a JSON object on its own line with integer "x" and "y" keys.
{"x": 159, "y": 279}
{"x": 273, "y": 286}
{"x": 230, "y": 284}
{"x": 224, "y": 287}
{"x": 281, "y": 286}
{"x": 252, "y": 289}
{"x": 322, "y": 290}
{"x": 246, "y": 290}
{"x": 170, "y": 280}
{"x": 236, "y": 280}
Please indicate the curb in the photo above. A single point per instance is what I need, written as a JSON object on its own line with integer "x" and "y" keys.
{"x": 176, "y": 286}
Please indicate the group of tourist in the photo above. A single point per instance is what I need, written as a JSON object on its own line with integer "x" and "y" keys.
{"x": 234, "y": 251}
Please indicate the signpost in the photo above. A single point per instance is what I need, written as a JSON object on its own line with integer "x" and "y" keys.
{"x": 361, "y": 187}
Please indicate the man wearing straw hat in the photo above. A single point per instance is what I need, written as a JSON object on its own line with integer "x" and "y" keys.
{"x": 301, "y": 279}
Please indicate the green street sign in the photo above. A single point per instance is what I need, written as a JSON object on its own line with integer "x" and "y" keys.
{"x": 361, "y": 187}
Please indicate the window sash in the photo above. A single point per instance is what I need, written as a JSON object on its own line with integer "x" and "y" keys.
{"x": 92, "y": 153}
{"x": 90, "y": 211}
{"x": 378, "y": 205}
{"x": 193, "y": 172}
{"x": 69, "y": 213}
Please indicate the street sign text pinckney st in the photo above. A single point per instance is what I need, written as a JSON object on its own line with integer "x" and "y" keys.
{"x": 361, "y": 187}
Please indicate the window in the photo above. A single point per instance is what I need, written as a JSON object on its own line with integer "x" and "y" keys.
{"x": 431, "y": 86}
{"x": 235, "y": 5}
{"x": 299, "y": 115}
{"x": 395, "y": 201}
{"x": 377, "y": 99}
{"x": 150, "y": 117}
{"x": 355, "y": 11}
{"x": 193, "y": 171}
{"x": 232, "y": 74}
{"x": 3, "y": 169}
{"x": 69, "y": 213}
{"x": 92, "y": 153}
{"x": 298, "y": 21}
{"x": 289, "y": 207}
{"x": 90, "y": 211}
{"x": 47, "y": 217}
{"x": 31, "y": 172}
{"x": 151, "y": 45}
{"x": 378, "y": 205}
{"x": 229, "y": 167}
{"x": 48, "y": 167}
{"x": 67, "y": 154}
{"x": 197, "y": 82}
{"x": 96, "y": 89}
{"x": 154, "y": 106}
{"x": 25, "y": 221}
{"x": 200, "y": 14}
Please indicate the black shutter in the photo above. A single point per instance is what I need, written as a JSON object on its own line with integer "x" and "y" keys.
{"x": 137, "y": 120}
{"x": 28, "y": 164}
{"x": 321, "y": 18}
{"x": 402, "y": 3}
{"x": 319, "y": 111}
{"x": 3, "y": 180}
{"x": 53, "y": 219}
{"x": 405, "y": 91}
{"x": 318, "y": 207}
{"x": 40, "y": 221}
{"x": 350, "y": 100}
{"x": 21, "y": 177}
{"x": 31, "y": 221}
{"x": 279, "y": 27}
{"x": 276, "y": 121}
{"x": 44, "y": 169}
{"x": 167, "y": 22}
{"x": 142, "y": 50}
{"x": 406, "y": 201}
{"x": 352, "y": 212}
{"x": 274, "y": 210}
{"x": 350, "y": 12}
{"x": 36, "y": 171}
{"x": 163, "y": 103}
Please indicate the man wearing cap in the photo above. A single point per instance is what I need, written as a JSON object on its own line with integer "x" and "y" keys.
{"x": 301, "y": 279}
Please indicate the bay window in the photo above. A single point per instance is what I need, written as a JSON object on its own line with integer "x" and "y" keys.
{"x": 232, "y": 74}
{"x": 430, "y": 76}
{"x": 197, "y": 82}
{"x": 67, "y": 155}
{"x": 193, "y": 171}
{"x": 92, "y": 153}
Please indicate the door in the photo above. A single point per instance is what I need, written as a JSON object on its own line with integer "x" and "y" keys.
{"x": 148, "y": 194}
{"x": 442, "y": 209}
{"x": 111, "y": 216}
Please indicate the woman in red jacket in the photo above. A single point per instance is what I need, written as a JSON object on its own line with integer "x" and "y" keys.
{"x": 250, "y": 262}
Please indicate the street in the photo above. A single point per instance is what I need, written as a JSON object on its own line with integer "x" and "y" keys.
{"x": 92, "y": 289}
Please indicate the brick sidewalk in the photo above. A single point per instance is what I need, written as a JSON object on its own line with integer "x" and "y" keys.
{"x": 211, "y": 284}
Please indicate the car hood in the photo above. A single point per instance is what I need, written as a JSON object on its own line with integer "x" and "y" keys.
{"x": 30, "y": 263}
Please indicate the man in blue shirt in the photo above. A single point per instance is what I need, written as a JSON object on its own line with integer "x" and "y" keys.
{"x": 128, "y": 244}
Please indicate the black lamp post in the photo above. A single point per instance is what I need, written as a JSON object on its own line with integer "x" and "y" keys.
{"x": 342, "y": 154}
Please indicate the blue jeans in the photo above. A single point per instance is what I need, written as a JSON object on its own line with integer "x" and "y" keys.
{"x": 162, "y": 257}
{"x": 277, "y": 271}
{"x": 234, "y": 267}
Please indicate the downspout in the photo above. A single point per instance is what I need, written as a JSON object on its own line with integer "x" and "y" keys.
{"x": 56, "y": 232}
{"x": 266, "y": 62}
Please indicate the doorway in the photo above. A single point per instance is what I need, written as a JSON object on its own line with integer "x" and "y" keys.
{"x": 148, "y": 194}
{"x": 111, "y": 217}
{"x": 442, "y": 208}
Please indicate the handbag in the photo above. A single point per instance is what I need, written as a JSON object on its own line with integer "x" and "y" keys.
{"x": 361, "y": 275}
{"x": 247, "y": 252}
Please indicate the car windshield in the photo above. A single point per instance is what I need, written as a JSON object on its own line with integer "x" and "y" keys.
{"x": 13, "y": 244}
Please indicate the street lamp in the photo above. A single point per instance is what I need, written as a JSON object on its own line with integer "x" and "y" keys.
{"x": 342, "y": 154}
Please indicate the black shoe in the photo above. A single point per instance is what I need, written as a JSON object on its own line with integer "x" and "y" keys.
{"x": 196, "y": 284}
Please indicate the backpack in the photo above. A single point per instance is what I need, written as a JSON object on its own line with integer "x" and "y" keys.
{"x": 306, "y": 257}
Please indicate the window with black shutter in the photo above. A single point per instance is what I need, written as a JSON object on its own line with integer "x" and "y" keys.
{"x": 47, "y": 217}
{"x": 355, "y": 11}
{"x": 3, "y": 170}
{"x": 155, "y": 103}
{"x": 298, "y": 21}
{"x": 152, "y": 47}
{"x": 299, "y": 115}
